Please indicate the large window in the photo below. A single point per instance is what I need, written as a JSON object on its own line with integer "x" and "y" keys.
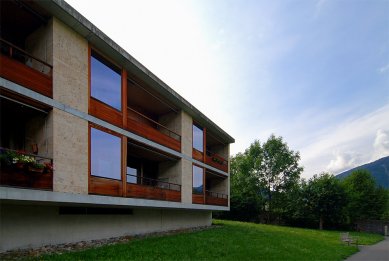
{"x": 105, "y": 155}
{"x": 198, "y": 181}
{"x": 198, "y": 138}
{"x": 105, "y": 82}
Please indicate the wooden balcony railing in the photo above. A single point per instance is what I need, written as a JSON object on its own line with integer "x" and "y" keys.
{"x": 216, "y": 198}
{"x": 156, "y": 189}
{"x": 21, "y": 169}
{"x": 152, "y": 130}
{"x": 210, "y": 198}
{"x": 25, "y": 69}
{"x": 216, "y": 161}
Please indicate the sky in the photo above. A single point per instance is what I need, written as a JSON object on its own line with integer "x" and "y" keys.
{"x": 314, "y": 72}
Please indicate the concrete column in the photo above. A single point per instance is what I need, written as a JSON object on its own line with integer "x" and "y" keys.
{"x": 186, "y": 165}
{"x": 70, "y": 133}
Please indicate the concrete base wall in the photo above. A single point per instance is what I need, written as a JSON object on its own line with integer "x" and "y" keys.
{"x": 26, "y": 226}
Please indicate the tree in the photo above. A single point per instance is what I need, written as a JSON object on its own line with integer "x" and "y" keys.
{"x": 323, "y": 199}
{"x": 262, "y": 174}
{"x": 246, "y": 198}
{"x": 365, "y": 199}
{"x": 278, "y": 171}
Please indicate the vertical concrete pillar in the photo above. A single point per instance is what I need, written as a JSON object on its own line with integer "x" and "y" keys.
{"x": 70, "y": 133}
{"x": 186, "y": 165}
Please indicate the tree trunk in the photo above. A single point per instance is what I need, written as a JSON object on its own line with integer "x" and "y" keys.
{"x": 321, "y": 223}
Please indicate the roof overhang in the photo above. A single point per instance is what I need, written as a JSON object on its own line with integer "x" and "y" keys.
{"x": 71, "y": 17}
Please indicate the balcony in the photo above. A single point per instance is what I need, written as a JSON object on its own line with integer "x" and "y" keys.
{"x": 23, "y": 68}
{"x": 210, "y": 198}
{"x": 148, "y": 188}
{"x": 152, "y": 130}
{"x": 213, "y": 191}
{"x": 216, "y": 198}
{"x": 24, "y": 170}
{"x": 216, "y": 161}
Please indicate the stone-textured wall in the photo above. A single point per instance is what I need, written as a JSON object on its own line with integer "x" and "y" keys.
{"x": 170, "y": 171}
{"x": 33, "y": 226}
{"x": 186, "y": 165}
{"x": 222, "y": 150}
{"x": 220, "y": 186}
{"x": 70, "y": 62}
{"x": 70, "y": 133}
{"x": 172, "y": 121}
{"x": 39, "y": 130}
{"x": 70, "y": 153}
{"x": 40, "y": 44}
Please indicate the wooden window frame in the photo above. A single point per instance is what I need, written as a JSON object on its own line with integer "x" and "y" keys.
{"x": 100, "y": 109}
{"x": 196, "y": 154}
{"x": 197, "y": 198}
{"x": 102, "y": 185}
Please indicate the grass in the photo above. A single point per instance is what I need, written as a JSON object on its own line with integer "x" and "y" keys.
{"x": 231, "y": 241}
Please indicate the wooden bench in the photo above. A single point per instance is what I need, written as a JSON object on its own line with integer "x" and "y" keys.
{"x": 346, "y": 238}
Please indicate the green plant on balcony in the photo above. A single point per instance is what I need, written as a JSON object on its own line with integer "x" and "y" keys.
{"x": 36, "y": 167}
{"x": 217, "y": 160}
{"x": 21, "y": 160}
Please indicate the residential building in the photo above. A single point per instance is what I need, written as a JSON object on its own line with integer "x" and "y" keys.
{"x": 93, "y": 145}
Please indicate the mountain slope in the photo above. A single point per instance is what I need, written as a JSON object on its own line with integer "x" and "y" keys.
{"x": 379, "y": 169}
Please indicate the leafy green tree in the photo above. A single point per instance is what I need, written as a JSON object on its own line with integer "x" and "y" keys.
{"x": 323, "y": 199}
{"x": 261, "y": 176}
{"x": 278, "y": 172}
{"x": 246, "y": 199}
{"x": 365, "y": 199}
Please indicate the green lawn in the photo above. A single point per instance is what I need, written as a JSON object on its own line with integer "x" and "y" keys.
{"x": 232, "y": 241}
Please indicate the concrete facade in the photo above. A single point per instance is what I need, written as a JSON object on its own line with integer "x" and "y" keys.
{"x": 70, "y": 133}
{"x": 186, "y": 166}
{"x": 70, "y": 154}
{"x": 53, "y": 228}
{"x": 30, "y": 218}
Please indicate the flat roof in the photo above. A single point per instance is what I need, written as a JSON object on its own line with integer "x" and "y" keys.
{"x": 71, "y": 17}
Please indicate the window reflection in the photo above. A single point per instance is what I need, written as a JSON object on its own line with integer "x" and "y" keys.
{"x": 105, "y": 83}
{"x": 198, "y": 137}
{"x": 105, "y": 155}
{"x": 132, "y": 175}
{"x": 198, "y": 186}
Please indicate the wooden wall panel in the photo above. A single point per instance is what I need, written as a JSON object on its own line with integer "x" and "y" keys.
{"x": 209, "y": 160}
{"x": 25, "y": 179}
{"x": 197, "y": 155}
{"x": 216, "y": 201}
{"x": 26, "y": 76}
{"x": 105, "y": 112}
{"x": 149, "y": 192}
{"x": 197, "y": 199}
{"x": 153, "y": 134}
{"x": 103, "y": 186}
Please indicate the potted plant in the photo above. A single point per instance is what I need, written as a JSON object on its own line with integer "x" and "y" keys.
{"x": 36, "y": 167}
{"x": 20, "y": 160}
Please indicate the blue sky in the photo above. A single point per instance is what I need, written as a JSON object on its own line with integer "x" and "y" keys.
{"x": 314, "y": 72}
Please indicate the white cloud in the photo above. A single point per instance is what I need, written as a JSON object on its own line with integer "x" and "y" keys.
{"x": 384, "y": 68}
{"x": 351, "y": 143}
{"x": 381, "y": 144}
{"x": 343, "y": 161}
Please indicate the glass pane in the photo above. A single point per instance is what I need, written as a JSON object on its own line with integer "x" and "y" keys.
{"x": 105, "y": 84}
{"x": 198, "y": 180}
{"x": 198, "y": 138}
{"x": 132, "y": 174}
{"x": 105, "y": 155}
